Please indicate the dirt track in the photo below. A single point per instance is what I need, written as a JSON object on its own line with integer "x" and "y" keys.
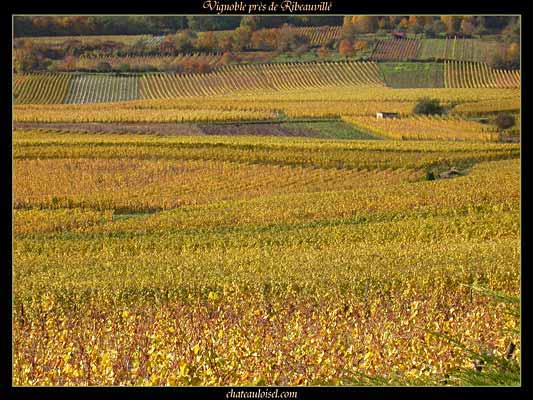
{"x": 259, "y": 129}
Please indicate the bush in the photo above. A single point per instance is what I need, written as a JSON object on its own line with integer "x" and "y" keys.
{"x": 124, "y": 68}
{"x": 227, "y": 58}
{"x": 330, "y": 44}
{"x": 322, "y": 52}
{"x": 346, "y": 48}
{"x": 145, "y": 68}
{"x": 104, "y": 67}
{"x": 427, "y": 106}
{"x": 360, "y": 45}
{"x": 504, "y": 121}
{"x": 52, "y": 67}
{"x": 301, "y": 50}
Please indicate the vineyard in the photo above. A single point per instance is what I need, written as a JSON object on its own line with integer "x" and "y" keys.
{"x": 261, "y": 77}
{"x": 97, "y": 88}
{"x": 249, "y": 105}
{"x": 317, "y": 35}
{"x": 48, "y": 88}
{"x": 41, "y": 88}
{"x": 457, "y": 49}
{"x": 215, "y": 260}
{"x": 60, "y": 40}
{"x": 427, "y": 128}
{"x": 396, "y": 50}
{"x": 413, "y": 75}
{"x": 489, "y": 106}
{"x": 93, "y": 88}
{"x": 92, "y": 184}
{"x": 91, "y": 63}
{"x": 342, "y": 209}
{"x": 478, "y": 75}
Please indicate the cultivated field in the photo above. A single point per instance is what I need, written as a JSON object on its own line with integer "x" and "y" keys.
{"x": 60, "y": 40}
{"x": 477, "y": 75}
{"x": 427, "y": 128}
{"x": 41, "y": 88}
{"x": 102, "y": 88}
{"x": 317, "y": 35}
{"x": 412, "y": 75}
{"x": 53, "y": 88}
{"x": 258, "y": 224}
{"x": 332, "y": 102}
{"x": 396, "y": 50}
{"x": 265, "y": 256}
{"x": 91, "y": 63}
{"x": 97, "y": 88}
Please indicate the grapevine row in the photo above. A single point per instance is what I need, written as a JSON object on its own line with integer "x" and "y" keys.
{"x": 97, "y": 88}
{"x": 403, "y": 49}
{"x": 264, "y": 77}
{"x": 42, "y": 88}
{"x": 477, "y": 75}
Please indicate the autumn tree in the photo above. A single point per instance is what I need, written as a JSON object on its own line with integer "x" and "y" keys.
{"x": 404, "y": 24}
{"x": 359, "y": 45}
{"x": 417, "y": 23}
{"x": 467, "y": 26}
{"x": 452, "y": 22}
{"x": 322, "y": 52}
{"x": 504, "y": 121}
{"x": 227, "y": 58}
{"x": 265, "y": 39}
{"x": 184, "y": 40}
{"x": 289, "y": 40}
{"x": 513, "y": 56}
{"x": 251, "y": 21}
{"x": 208, "y": 41}
{"x": 168, "y": 46}
{"x": 366, "y": 24}
{"x": 68, "y": 63}
{"x": 346, "y": 48}
{"x": 348, "y": 28}
{"x": 104, "y": 67}
{"x": 241, "y": 38}
{"x": 226, "y": 43}
{"x": 394, "y": 20}
{"x": 383, "y": 23}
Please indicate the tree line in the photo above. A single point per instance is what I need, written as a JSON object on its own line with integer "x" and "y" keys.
{"x": 160, "y": 25}
{"x": 153, "y": 25}
{"x": 256, "y": 33}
